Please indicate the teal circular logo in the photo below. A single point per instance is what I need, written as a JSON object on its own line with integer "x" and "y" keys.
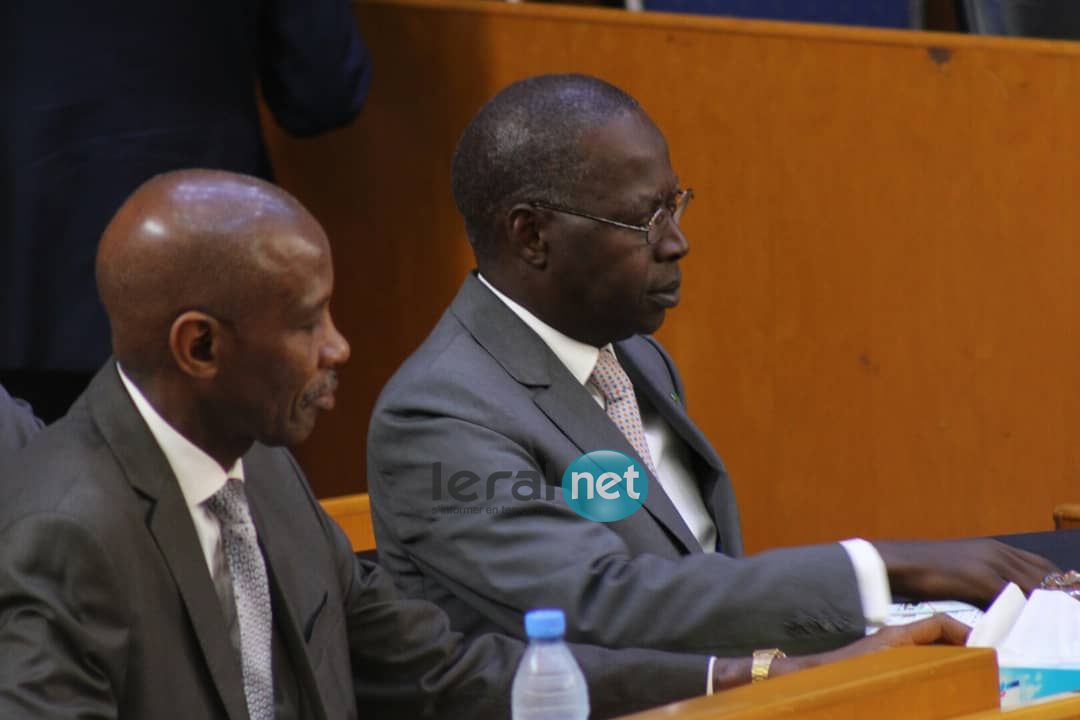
{"x": 605, "y": 486}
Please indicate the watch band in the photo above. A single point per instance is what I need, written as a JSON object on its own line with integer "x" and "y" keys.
{"x": 762, "y": 663}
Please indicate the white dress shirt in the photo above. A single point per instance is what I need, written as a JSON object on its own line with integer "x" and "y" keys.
{"x": 670, "y": 456}
{"x": 199, "y": 476}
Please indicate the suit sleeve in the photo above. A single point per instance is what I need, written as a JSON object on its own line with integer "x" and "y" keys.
{"x": 63, "y": 623}
{"x": 314, "y": 69}
{"x": 539, "y": 553}
{"x": 17, "y": 422}
{"x": 408, "y": 664}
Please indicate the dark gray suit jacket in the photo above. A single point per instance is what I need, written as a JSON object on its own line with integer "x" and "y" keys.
{"x": 484, "y": 394}
{"x": 107, "y": 609}
{"x": 17, "y": 422}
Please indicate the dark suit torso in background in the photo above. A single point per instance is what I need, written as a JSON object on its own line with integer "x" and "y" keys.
{"x": 107, "y": 94}
{"x": 107, "y": 608}
{"x": 484, "y": 394}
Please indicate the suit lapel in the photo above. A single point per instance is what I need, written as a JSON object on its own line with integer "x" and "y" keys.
{"x": 169, "y": 522}
{"x": 660, "y": 396}
{"x": 513, "y": 344}
{"x": 558, "y": 394}
{"x": 175, "y": 535}
{"x": 572, "y": 410}
{"x": 295, "y": 592}
{"x": 715, "y": 489}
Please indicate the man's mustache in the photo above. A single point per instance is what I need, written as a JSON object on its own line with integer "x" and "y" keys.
{"x": 326, "y": 386}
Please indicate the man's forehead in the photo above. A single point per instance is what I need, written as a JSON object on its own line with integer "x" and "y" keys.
{"x": 631, "y": 133}
{"x": 288, "y": 242}
{"x": 298, "y": 282}
{"x": 629, "y": 148}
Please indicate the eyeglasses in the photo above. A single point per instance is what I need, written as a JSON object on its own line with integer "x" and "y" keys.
{"x": 670, "y": 211}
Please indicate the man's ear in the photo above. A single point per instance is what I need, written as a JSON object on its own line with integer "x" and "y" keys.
{"x": 527, "y": 228}
{"x": 195, "y": 341}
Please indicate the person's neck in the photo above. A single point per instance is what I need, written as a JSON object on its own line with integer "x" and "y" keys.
{"x": 519, "y": 289}
{"x": 179, "y": 406}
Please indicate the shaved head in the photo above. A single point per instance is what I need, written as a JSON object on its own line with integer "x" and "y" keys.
{"x": 217, "y": 287}
{"x": 195, "y": 240}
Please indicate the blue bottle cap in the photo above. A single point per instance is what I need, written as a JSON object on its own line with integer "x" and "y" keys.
{"x": 545, "y": 624}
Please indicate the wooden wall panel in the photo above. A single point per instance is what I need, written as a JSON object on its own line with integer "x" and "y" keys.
{"x": 879, "y": 323}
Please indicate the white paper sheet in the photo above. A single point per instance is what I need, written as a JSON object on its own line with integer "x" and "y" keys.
{"x": 1046, "y": 634}
{"x": 992, "y": 628}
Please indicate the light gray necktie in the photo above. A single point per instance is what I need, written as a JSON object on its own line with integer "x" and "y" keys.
{"x": 621, "y": 404}
{"x": 251, "y": 594}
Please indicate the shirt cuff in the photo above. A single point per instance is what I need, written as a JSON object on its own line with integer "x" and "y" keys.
{"x": 872, "y": 579}
{"x": 709, "y": 677}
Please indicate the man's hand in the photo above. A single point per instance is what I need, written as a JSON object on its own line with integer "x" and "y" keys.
{"x": 936, "y": 630}
{"x": 974, "y": 571}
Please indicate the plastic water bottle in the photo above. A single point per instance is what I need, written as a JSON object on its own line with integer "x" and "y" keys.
{"x": 548, "y": 684}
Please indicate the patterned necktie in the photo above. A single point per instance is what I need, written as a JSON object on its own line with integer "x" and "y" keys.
{"x": 612, "y": 382}
{"x": 251, "y": 593}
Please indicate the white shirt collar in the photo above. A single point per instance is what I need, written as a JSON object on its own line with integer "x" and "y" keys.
{"x": 199, "y": 475}
{"x": 578, "y": 357}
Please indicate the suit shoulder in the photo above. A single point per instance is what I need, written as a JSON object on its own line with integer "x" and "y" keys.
{"x": 450, "y": 369}
{"x": 17, "y": 422}
{"x": 66, "y": 471}
{"x": 278, "y": 467}
{"x": 646, "y": 344}
{"x": 650, "y": 355}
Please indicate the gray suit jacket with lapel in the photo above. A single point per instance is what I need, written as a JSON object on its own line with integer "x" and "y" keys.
{"x": 484, "y": 395}
{"x": 107, "y": 609}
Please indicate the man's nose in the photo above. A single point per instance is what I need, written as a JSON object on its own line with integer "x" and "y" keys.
{"x": 672, "y": 244}
{"x": 336, "y": 351}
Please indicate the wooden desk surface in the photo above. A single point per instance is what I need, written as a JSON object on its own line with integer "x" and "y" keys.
{"x": 1066, "y": 709}
{"x": 916, "y": 683}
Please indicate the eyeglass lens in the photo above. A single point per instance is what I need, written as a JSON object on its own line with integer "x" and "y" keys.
{"x": 675, "y": 211}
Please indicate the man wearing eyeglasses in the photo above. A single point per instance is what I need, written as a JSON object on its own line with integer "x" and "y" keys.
{"x": 572, "y": 208}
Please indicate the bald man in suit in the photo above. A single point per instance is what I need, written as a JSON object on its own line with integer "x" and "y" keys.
{"x": 131, "y": 587}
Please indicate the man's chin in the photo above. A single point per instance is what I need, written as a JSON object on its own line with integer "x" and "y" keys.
{"x": 652, "y": 322}
{"x": 297, "y": 432}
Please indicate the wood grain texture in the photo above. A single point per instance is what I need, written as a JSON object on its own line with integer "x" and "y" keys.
{"x": 1067, "y": 516}
{"x": 879, "y": 320}
{"x": 913, "y": 683}
{"x": 353, "y": 514}
{"x": 1062, "y": 709}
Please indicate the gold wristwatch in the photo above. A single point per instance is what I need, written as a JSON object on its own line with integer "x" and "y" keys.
{"x": 762, "y": 662}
